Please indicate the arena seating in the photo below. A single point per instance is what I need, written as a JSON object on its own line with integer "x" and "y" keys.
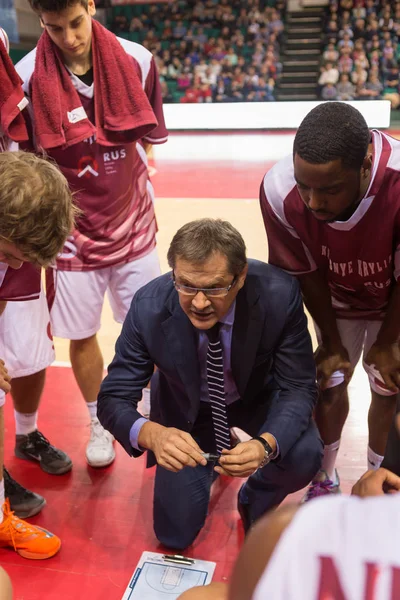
{"x": 212, "y": 51}
{"x": 360, "y": 59}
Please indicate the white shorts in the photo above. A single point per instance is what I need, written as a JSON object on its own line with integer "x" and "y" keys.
{"x": 26, "y": 343}
{"x": 357, "y": 337}
{"x": 77, "y": 298}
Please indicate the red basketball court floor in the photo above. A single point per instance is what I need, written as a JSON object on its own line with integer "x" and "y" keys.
{"x": 104, "y": 517}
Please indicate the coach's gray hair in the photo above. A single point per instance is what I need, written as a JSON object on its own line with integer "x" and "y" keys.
{"x": 198, "y": 240}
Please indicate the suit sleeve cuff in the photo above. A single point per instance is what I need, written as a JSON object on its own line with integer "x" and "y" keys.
{"x": 134, "y": 433}
{"x": 277, "y": 451}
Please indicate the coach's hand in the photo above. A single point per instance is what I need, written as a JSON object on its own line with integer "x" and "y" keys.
{"x": 373, "y": 483}
{"x": 174, "y": 449}
{"x": 242, "y": 460}
{"x": 5, "y": 379}
{"x": 331, "y": 359}
{"x": 386, "y": 359}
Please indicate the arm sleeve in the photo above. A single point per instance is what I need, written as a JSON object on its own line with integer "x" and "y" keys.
{"x": 159, "y": 135}
{"x": 295, "y": 374}
{"x": 285, "y": 248}
{"x": 121, "y": 390}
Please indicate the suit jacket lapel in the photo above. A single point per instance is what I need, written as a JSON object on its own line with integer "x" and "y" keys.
{"x": 246, "y": 334}
{"x": 182, "y": 344}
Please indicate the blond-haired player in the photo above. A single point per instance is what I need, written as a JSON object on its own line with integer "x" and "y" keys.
{"x": 36, "y": 216}
{"x": 25, "y": 337}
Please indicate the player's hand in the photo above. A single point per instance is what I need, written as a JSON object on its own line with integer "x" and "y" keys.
{"x": 175, "y": 449}
{"x": 328, "y": 360}
{"x": 242, "y": 460}
{"x": 5, "y": 379}
{"x": 373, "y": 483}
{"x": 386, "y": 359}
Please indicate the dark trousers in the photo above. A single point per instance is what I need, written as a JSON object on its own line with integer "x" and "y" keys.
{"x": 181, "y": 499}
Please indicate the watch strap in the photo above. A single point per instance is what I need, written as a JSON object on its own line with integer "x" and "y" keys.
{"x": 268, "y": 451}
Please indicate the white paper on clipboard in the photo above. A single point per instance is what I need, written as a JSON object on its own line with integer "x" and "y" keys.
{"x": 156, "y": 579}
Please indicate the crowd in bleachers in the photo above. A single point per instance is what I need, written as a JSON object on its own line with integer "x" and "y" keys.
{"x": 209, "y": 51}
{"x": 360, "y": 60}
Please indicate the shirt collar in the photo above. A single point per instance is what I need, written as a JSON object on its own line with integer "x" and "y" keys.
{"x": 229, "y": 318}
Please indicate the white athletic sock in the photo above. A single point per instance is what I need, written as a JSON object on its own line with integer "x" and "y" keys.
{"x": 2, "y": 498}
{"x": 374, "y": 460}
{"x": 25, "y": 422}
{"x": 92, "y": 408}
{"x": 329, "y": 459}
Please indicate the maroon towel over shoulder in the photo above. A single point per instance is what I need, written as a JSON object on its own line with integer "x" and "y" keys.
{"x": 12, "y": 99}
{"x": 123, "y": 112}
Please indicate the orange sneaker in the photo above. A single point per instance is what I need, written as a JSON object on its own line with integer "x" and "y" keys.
{"x": 29, "y": 541}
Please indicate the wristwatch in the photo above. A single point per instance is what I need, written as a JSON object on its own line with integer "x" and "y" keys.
{"x": 267, "y": 450}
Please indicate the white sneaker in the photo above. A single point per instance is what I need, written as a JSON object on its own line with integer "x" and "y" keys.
{"x": 100, "y": 450}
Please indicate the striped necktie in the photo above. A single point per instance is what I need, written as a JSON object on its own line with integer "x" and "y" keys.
{"x": 216, "y": 390}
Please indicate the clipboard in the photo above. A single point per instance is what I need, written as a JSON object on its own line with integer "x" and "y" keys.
{"x": 159, "y": 576}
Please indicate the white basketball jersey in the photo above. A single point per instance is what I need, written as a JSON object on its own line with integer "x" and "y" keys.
{"x": 337, "y": 548}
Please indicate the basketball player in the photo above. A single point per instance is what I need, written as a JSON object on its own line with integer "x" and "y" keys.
{"x": 113, "y": 246}
{"x": 25, "y": 341}
{"x": 332, "y": 217}
{"x": 36, "y": 216}
{"x": 356, "y": 557}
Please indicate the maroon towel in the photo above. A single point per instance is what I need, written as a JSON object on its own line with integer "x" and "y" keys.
{"x": 12, "y": 99}
{"x": 123, "y": 111}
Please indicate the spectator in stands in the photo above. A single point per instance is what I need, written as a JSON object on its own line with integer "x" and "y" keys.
{"x": 346, "y": 42}
{"x": 223, "y": 91}
{"x": 361, "y": 61}
{"x": 375, "y": 59}
{"x": 345, "y": 89}
{"x": 391, "y": 87}
{"x": 372, "y": 89}
{"x": 329, "y": 74}
{"x": 329, "y": 92}
{"x": 359, "y": 11}
{"x": 165, "y": 93}
{"x": 359, "y": 75}
{"x": 136, "y": 24}
{"x": 215, "y": 30}
{"x": 332, "y": 29}
{"x": 345, "y": 64}
{"x": 330, "y": 55}
{"x": 179, "y": 30}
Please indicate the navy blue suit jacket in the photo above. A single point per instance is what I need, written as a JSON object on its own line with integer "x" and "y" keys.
{"x": 271, "y": 348}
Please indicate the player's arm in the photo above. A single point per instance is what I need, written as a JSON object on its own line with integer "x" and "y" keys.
{"x": 287, "y": 251}
{"x": 331, "y": 355}
{"x": 252, "y": 561}
{"x": 159, "y": 135}
{"x": 385, "y": 352}
{"x": 5, "y": 379}
{"x": 147, "y": 147}
{"x": 257, "y": 551}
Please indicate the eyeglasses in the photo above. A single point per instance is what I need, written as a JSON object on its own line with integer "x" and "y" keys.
{"x": 186, "y": 290}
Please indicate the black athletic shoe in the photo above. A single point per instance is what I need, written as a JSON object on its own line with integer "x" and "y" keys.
{"x": 36, "y": 448}
{"x": 22, "y": 501}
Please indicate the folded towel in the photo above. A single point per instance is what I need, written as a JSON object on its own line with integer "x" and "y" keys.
{"x": 12, "y": 98}
{"x": 123, "y": 111}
